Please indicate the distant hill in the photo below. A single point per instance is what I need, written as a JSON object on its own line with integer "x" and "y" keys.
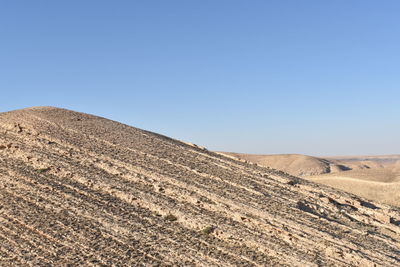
{"x": 80, "y": 190}
{"x": 295, "y": 164}
{"x": 374, "y": 177}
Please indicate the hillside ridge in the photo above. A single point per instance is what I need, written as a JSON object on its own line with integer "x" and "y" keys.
{"x": 83, "y": 190}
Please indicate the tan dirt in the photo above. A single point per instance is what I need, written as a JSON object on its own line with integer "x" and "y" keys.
{"x": 376, "y": 178}
{"x": 80, "y": 190}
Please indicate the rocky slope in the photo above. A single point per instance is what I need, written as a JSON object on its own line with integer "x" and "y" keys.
{"x": 82, "y": 190}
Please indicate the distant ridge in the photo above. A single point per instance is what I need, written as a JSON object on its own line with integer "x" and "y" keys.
{"x": 374, "y": 177}
{"x": 295, "y": 164}
{"x": 81, "y": 190}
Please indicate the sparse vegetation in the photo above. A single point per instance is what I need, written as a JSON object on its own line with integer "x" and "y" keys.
{"x": 43, "y": 170}
{"x": 208, "y": 230}
{"x": 171, "y": 218}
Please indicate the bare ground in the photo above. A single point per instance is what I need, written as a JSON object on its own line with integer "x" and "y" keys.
{"x": 381, "y": 184}
{"x": 376, "y": 178}
{"x": 82, "y": 190}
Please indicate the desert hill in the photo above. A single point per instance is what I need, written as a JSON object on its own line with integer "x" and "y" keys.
{"x": 381, "y": 185}
{"x": 81, "y": 190}
{"x": 373, "y": 177}
{"x": 295, "y": 164}
{"x": 304, "y": 165}
{"x": 380, "y": 182}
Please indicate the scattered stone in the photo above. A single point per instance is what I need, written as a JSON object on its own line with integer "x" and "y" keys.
{"x": 292, "y": 182}
{"x": 383, "y": 218}
{"x": 325, "y": 200}
{"x": 342, "y": 204}
{"x": 368, "y": 205}
{"x": 395, "y": 221}
{"x": 305, "y": 206}
{"x": 355, "y": 203}
{"x": 19, "y": 128}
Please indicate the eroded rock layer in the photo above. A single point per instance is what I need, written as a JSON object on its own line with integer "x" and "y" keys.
{"x": 82, "y": 190}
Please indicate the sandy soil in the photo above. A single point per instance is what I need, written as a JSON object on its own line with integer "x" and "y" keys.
{"x": 79, "y": 190}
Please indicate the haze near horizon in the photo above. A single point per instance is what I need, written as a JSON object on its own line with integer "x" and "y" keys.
{"x": 310, "y": 77}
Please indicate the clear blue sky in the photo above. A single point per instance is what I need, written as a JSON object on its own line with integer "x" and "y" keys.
{"x": 314, "y": 77}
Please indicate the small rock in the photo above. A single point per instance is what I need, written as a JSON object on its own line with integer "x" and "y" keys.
{"x": 395, "y": 221}
{"x": 355, "y": 203}
{"x": 292, "y": 182}
{"x": 383, "y": 218}
{"x": 325, "y": 200}
{"x": 19, "y": 128}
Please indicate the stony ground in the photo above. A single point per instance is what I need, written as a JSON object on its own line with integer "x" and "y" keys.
{"x": 80, "y": 190}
